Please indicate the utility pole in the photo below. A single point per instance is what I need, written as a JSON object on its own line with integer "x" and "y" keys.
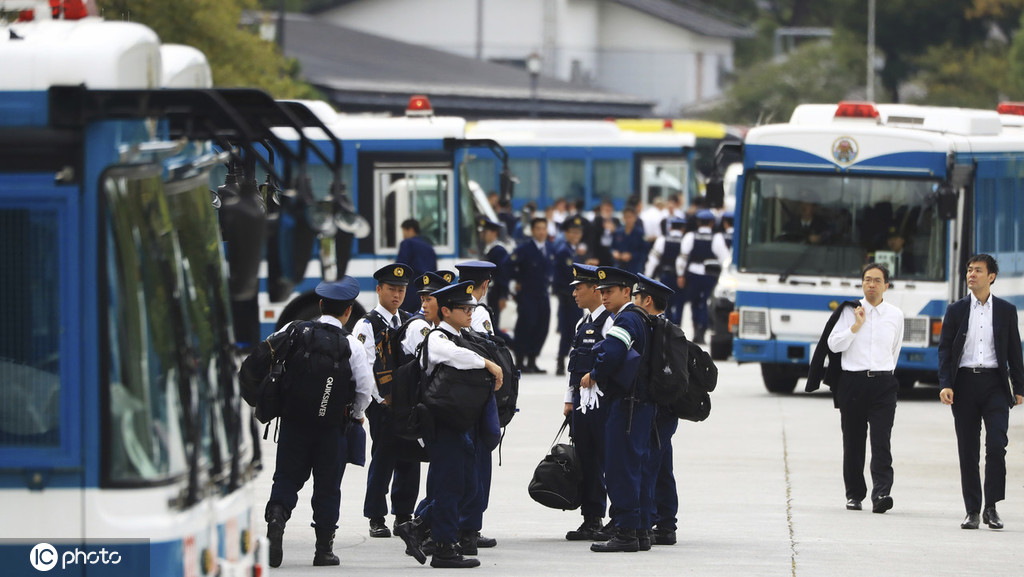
{"x": 479, "y": 29}
{"x": 870, "y": 95}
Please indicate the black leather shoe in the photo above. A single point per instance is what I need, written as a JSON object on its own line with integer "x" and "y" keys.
{"x": 410, "y": 533}
{"x": 589, "y": 530}
{"x": 643, "y": 540}
{"x": 467, "y": 543}
{"x": 606, "y": 532}
{"x": 445, "y": 557}
{"x": 881, "y": 504}
{"x": 379, "y": 527}
{"x": 853, "y": 505}
{"x": 991, "y": 518}
{"x": 624, "y": 541}
{"x": 399, "y": 519}
{"x": 971, "y": 521}
{"x": 664, "y": 537}
{"x": 485, "y": 542}
{"x": 275, "y": 517}
{"x": 429, "y": 546}
{"x": 324, "y": 555}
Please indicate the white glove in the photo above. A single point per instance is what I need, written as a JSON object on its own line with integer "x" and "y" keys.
{"x": 590, "y": 398}
{"x": 585, "y": 395}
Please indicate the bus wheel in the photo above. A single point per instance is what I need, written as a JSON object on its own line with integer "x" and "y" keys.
{"x": 779, "y": 378}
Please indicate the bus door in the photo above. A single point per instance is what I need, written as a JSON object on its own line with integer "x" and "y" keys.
{"x": 662, "y": 176}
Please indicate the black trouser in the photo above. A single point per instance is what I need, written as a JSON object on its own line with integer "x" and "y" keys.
{"x": 981, "y": 397}
{"x": 867, "y": 404}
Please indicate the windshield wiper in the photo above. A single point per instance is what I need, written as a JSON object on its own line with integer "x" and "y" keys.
{"x": 796, "y": 262}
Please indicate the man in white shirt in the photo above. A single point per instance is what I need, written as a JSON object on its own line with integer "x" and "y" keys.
{"x": 702, "y": 254}
{"x": 869, "y": 338}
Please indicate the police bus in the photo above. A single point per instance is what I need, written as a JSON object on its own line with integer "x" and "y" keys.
{"x": 919, "y": 189}
{"x": 412, "y": 166}
{"x": 124, "y": 448}
{"x": 590, "y": 160}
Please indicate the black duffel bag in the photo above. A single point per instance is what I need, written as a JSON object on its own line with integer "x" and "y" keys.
{"x": 557, "y": 479}
{"x": 457, "y": 397}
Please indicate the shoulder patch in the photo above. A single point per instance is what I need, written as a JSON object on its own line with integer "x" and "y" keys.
{"x": 443, "y": 336}
{"x": 487, "y": 326}
{"x": 362, "y": 338}
{"x": 424, "y": 331}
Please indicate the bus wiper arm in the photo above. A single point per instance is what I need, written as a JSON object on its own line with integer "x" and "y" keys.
{"x": 796, "y": 262}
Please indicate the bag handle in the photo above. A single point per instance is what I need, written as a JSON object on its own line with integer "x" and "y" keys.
{"x": 561, "y": 429}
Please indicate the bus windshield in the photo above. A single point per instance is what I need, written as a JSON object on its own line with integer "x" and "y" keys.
{"x": 799, "y": 224}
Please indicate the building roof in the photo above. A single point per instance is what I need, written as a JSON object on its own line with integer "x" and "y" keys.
{"x": 361, "y": 71}
{"x": 699, "y": 19}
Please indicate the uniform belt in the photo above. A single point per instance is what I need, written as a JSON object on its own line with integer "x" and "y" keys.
{"x": 978, "y": 370}
{"x": 869, "y": 374}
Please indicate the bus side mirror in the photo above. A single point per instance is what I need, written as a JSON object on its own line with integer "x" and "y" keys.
{"x": 507, "y": 184}
{"x": 946, "y": 203}
{"x": 714, "y": 191}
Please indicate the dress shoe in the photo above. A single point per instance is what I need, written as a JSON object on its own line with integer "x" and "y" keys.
{"x": 324, "y": 555}
{"x": 991, "y": 518}
{"x": 428, "y": 546}
{"x": 412, "y": 535}
{"x": 485, "y": 542}
{"x": 560, "y": 367}
{"x": 275, "y": 516}
{"x": 445, "y": 557}
{"x": 399, "y": 519}
{"x": 467, "y": 544}
{"x": 664, "y": 537}
{"x": 853, "y": 505}
{"x": 971, "y": 521}
{"x": 624, "y": 541}
{"x": 379, "y": 527}
{"x": 606, "y": 532}
{"x": 643, "y": 540}
{"x": 590, "y": 530}
{"x": 881, "y": 504}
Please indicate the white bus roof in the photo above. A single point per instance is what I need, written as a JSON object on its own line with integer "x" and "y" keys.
{"x": 102, "y": 55}
{"x": 386, "y": 128}
{"x": 595, "y": 133}
{"x": 184, "y": 67}
{"x": 963, "y": 121}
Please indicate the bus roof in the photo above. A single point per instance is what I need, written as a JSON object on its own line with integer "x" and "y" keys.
{"x": 99, "y": 54}
{"x": 385, "y": 128}
{"x": 699, "y": 128}
{"x": 962, "y": 121}
{"x": 596, "y": 133}
{"x": 184, "y": 67}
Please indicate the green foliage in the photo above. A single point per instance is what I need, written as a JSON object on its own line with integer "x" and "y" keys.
{"x": 814, "y": 72}
{"x": 238, "y": 56}
{"x": 973, "y": 77}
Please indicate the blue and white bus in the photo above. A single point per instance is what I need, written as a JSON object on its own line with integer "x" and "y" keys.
{"x": 124, "y": 447}
{"x": 917, "y": 188}
{"x": 590, "y": 160}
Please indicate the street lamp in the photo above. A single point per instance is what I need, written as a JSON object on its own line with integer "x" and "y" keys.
{"x": 533, "y": 64}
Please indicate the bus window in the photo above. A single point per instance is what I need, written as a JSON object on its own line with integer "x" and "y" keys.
{"x": 482, "y": 171}
{"x": 145, "y": 419}
{"x": 611, "y": 180}
{"x": 528, "y": 172}
{"x": 421, "y": 194}
{"x": 30, "y": 379}
{"x": 662, "y": 178}
{"x": 566, "y": 179}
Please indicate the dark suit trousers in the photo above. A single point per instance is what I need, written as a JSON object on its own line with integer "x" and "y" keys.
{"x": 867, "y": 404}
{"x": 981, "y": 397}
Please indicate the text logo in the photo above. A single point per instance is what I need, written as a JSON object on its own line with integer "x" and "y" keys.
{"x": 43, "y": 557}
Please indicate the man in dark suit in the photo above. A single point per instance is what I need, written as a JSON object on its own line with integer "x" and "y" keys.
{"x": 807, "y": 227}
{"x": 979, "y": 357}
{"x": 532, "y": 269}
{"x": 418, "y": 253}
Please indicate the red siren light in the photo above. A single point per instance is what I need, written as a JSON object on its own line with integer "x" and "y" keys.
{"x": 419, "y": 105}
{"x": 1014, "y": 108}
{"x": 68, "y": 9}
{"x": 667, "y": 124}
{"x": 852, "y": 109}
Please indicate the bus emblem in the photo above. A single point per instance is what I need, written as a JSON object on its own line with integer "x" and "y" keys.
{"x": 845, "y": 150}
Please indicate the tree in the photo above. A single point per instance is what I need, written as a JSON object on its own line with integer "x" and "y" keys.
{"x": 237, "y": 56}
{"x": 973, "y": 77}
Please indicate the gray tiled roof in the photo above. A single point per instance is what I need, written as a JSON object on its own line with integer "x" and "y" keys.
{"x": 685, "y": 15}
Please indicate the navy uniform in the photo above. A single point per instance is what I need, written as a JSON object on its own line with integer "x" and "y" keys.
{"x": 588, "y": 427}
{"x": 701, "y": 257}
{"x": 532, "y": 267}
{"x": 567, "y": 254}
{"x": 617, "y": 370}
{"x": 419, "y": 254}
{"x": 728, "y": 218}
{"x": 386, "y": 469}
{"x": 495, "y": 252}
{"x": 661, "y": 265}
{"x": 304, "y": 447}
{"x": 479, "y": 272}
{"x": 658, "y": 468}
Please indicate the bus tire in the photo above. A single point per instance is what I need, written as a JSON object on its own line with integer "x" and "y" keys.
{"x": 779, "y": 378}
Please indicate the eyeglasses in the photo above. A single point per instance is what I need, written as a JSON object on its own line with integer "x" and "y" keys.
{"x": 468, "y": 309}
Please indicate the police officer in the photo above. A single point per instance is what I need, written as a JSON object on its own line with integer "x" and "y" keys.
{"x": 702, "y": 254}
{"x": 532, "y": 267}
{"x": 479, "y": 273}
{"x": 588, "y": 423}
{"x": 661, "y": 264}
{"x": 653, "y": 297}
{"x": 386, "y": 468}
{"x": 618, "y": 374}
{"x": 304, "y": 446}
{"x": 451, "y": 450}
{"x": 427, "y": 318}
{"x": 568, "y": 251}
{"x": 419, "y": 254}
{"x": 495, "y": 252}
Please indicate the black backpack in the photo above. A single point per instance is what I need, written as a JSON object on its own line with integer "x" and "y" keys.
{"x": 410, "y": 418}
{"x": 388, "y": 349}
{"x": 695, "y": 403}
{"x": 492, "y": 349}
{"x": 667, "y": 352}
{"x": 259, "y": 377}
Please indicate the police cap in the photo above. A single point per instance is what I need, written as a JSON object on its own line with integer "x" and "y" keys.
{"x": 459, "y": 294}
{"x": 705, "y": 215}
{"x": 429, "y": 282}
{"x": 583, "y": 273}
{"x": 609, "y": 276}
{"x": 488, "y": 224}
{"x": 730, "y": 215}
{"x": 396, "y": 273}
{"x": 475, "y": 270}
{"x": 572, "y": 222}
{"x": 646, "y": 284}
{"x": 446, "y": 275}
{"x": 344, "y": 289}
{"x": 676, "y": 222}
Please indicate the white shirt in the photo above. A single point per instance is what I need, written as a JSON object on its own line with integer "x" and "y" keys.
{"x": 441, "y": 350}
{"x": 481, "y": 321}
{"x": 364, "y": 332}
{"x": 980, "y": 348}
{"x": 418, "y": 329}
{"x": 718, "y": 247}
{"x": 608, "y": 323}
{"x": 658, "y": 249}
{"x": 876, "y": 346}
